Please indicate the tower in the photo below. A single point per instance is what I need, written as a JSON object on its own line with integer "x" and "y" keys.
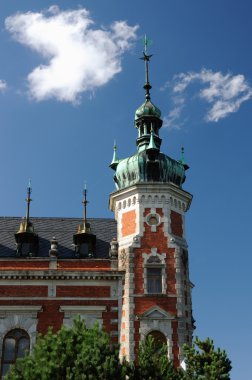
{"x": 150, "y": 205}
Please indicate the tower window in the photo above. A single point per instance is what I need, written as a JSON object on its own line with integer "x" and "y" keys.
{"x": 154, "y": 280}
{"x": 15, "y": 345}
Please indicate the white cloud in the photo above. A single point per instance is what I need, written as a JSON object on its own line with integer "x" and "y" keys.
{"x": 171, "y": 121}
{"x": 3, "y": 85}
{"x": 224, "y": 92}
{"x": 76, "y": 56}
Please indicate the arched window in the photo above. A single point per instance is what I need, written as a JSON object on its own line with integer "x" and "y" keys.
{"x": 16, "y": 343}
{"x": 159, "y": 339}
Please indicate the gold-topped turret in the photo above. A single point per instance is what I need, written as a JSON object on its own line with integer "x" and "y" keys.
{"x": 84, "y": 240}
{"x": 26, "y": 238}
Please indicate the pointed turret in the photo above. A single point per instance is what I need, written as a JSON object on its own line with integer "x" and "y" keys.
{"x": 114, "y": 161}
{"x": 84, "y": 240}
{"x": 182, "y": 160}
{"x": 26, "y": 238}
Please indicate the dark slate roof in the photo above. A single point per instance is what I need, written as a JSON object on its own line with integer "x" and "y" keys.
{"x": 63, "y": 229}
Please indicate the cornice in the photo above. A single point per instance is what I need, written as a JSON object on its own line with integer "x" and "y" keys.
{"x": 152, "y": 187}
{"x": 59, "y": 275}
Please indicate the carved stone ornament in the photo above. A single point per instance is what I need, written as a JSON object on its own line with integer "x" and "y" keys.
{"x": 123, "y": 257}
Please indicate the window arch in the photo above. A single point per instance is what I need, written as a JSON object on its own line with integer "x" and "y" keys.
{"x": 159, "y": 339}
{"x": 15, "y": 344}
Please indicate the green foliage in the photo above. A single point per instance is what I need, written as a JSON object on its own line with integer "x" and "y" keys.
{"x": 77, "y": 353}
{"x": 153, "y": 363}
{"x": 206, "y": 363}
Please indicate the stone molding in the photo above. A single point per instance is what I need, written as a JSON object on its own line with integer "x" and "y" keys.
{"x": 90, "y": 314}
{"x": 58, "y": 275}
{"x": 157, "y": 193}
{"x": 162, "y": 265}
{"x": 19, "y": 317}
{"x": 157, "y": 319}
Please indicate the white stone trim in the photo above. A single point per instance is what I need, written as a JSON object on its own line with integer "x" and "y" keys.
{"x": 19, "y": 317}
{"x": 58, "y": 275}
{"x": 90, "y": 314}
{"x": 20, "y": 309}
{"x": 162, "y": 265}
{"x": 157, "y": 193}
{"x": 157, "y": 319}
{"x": 81, "y": 309}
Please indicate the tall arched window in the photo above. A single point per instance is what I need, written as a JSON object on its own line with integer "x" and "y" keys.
{"x": 16, "y": 343}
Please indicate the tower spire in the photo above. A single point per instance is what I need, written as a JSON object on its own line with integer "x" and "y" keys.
{"x": 146, "y": 58}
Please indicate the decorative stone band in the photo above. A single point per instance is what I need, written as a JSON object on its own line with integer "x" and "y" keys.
{"x": 162, "y": 193}
{"x": 5, "y": 309}
{"x": 77, "y": 309}
{"x": 56, "y": 275}
{"x": 90, "y": 314}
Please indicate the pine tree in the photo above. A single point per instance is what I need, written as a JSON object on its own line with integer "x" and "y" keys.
{"x": 73, "y": 353}
{"x": 153, "y": 363}
{"x": 206, "y": 363}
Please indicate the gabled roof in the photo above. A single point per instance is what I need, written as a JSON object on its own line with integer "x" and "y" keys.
{"x": 63, "y": 229}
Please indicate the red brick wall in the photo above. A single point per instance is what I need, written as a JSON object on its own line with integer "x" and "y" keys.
{"x": 176, "y": 224}
{"x": 175, "y": 347}
{"x": 128, "y": 222}
{"x": 84, "y": 264}
{"x": 145, "y": 303}
{"x": 23, "y": 291}
{"x": 83, "y": 291}
{"x": 22, "y": 265}
{"x": 61, "y": 264}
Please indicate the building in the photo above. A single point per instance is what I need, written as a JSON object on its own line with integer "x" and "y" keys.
{"x": 130, "y": 274}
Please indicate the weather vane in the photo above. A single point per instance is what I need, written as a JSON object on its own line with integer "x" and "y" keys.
{"x": 146, "y": 42}
{"x": 146, "y": 58}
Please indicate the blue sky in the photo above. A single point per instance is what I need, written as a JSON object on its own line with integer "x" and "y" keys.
{"x": 70, "y": 82}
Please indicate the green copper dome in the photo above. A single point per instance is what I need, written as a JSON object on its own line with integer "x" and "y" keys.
{"x": 146, "y": 167}
{"x": 147, "y": 109}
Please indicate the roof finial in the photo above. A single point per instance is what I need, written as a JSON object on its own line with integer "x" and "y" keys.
{"x": 152, "y": 145}
{"x": 182, "y": 155}
{"x": 28, "y": 200}
{"x": 115, "y": 161}
{"x": 146, "y": 58}
{"x": 182, "y": 160}
{"x": 85, "y": 202}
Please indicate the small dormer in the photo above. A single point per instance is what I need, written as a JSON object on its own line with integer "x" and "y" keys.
{"x": 26, "y": 238}
{"x": 84, "y": 240}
